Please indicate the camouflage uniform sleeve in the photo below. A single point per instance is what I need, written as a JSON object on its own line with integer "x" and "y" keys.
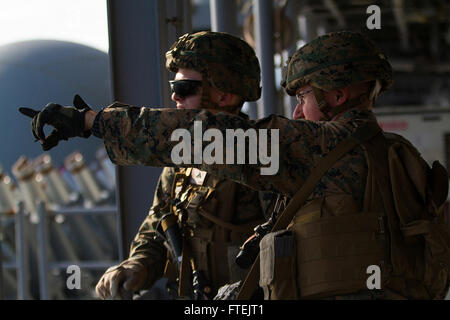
{"x": 146, "y": 247}
{"x": 141, "y": 136}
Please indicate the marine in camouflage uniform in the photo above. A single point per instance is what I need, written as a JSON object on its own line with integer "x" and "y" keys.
{"x": 336, "y": 79}
{"x": 138, "y": 135}
{"x": 302, "y": 142}
{"x": 330, "y": 62}
{"x": 215, "y": 215}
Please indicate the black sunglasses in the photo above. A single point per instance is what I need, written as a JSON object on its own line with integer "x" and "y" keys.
{"x": 185, "y": 88}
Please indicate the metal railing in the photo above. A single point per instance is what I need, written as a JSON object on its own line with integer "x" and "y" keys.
{"x": 21, "y": 262}
{"x": 44, "y": 260}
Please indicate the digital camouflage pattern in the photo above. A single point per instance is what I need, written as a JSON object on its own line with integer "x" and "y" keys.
{"x": 336, "y": 60}
{"x": 134, "y": 135}
{"x": 227, "y": 62}
{"x": 244, "y": 210}
{"x": 139, "y": 136}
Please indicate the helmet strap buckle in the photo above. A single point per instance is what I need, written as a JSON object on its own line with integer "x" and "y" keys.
{"x": 322, "y": 104}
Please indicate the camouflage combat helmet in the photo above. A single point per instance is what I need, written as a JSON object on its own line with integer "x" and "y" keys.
{"x": 336, "y": 60}
{"x": 226, "y": 62}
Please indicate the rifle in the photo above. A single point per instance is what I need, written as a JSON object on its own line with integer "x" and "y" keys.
{"x": 171, "y": 233}
{"x": 199, "y": 284}
{"x": 173, "y": 240}
{"x": 250, "y": 249}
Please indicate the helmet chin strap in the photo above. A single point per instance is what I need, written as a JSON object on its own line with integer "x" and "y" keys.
{"x": 321, "y": 104}
{"x": 329, "y": 112}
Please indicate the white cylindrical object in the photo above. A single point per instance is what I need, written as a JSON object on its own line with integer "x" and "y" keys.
{"x": 30, "y": 190}
{"x": 8, "y": 203}
{"x": 98, "y": 195}
{"x": 55, "y": 188}
{"x": 90, "y": 189}
{"x": 107, "y": 166}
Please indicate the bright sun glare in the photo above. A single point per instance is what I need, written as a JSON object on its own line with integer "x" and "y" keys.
{"x": 80, "y": 21}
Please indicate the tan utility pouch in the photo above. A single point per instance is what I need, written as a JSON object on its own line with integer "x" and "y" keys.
{"x": 277, "y": 267}
{"x": 333, "y": 253}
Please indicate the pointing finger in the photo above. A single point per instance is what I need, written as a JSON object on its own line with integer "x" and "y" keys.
{"x": 28, "y": 112}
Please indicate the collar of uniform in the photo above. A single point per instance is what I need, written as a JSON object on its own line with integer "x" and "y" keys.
{"x": 357, "y": 113}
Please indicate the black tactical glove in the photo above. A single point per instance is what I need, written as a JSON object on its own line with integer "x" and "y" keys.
{"x": 67, "y": 121}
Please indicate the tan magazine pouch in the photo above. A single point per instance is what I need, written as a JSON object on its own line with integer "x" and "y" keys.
{"x": 277, "y": 267}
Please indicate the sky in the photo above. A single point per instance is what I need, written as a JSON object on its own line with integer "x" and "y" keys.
{"x": 80, "y": 21}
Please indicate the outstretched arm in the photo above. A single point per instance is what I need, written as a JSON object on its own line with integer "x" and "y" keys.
{"x": 142, "y": 136}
